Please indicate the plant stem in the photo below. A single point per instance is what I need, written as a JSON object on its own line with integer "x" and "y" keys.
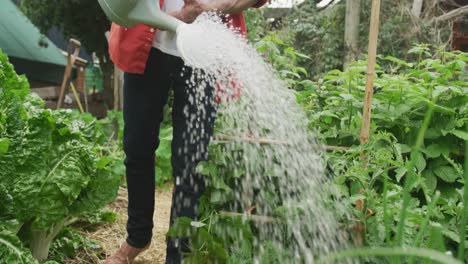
{"x": 409, "y": 177}
{"x": 464, "y": 220}
{"x": 425, "y": 223}
{"x": 40, "y": 245}
{"x": 350, "y": 104}
{"x": 385, "y": 212}
{"x": 41, "y": 241}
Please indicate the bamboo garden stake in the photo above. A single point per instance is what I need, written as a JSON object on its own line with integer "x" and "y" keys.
{"x": 77, "y": 97}
{"x": 366, "y": 119}
{"x": 371, "y": 57}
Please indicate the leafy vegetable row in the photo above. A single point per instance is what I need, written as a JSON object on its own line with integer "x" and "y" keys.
{"x": 51, "y": 170}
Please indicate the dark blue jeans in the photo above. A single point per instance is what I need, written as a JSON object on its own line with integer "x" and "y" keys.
{"x": 145, "y": 96}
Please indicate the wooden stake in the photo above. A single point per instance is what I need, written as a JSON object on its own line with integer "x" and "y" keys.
{"x": 77, "y": 97}
{"x": 255, "y": 218}
{"x": 85, "y": 93}
{"x": 372, "y": 54}
{"x": 264, "y": 141}
{"x": 366, "y": 119}
{"x": 261, "y": 141}
{"x": 351, "y": 36}
{"x": 73, "y": 51}
{"x": 117, "y": 73}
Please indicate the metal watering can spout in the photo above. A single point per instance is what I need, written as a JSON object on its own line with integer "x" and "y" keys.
{"x": 128, "y": 13}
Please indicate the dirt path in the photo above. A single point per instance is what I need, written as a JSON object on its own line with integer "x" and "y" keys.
{"x": 112, "y": 235}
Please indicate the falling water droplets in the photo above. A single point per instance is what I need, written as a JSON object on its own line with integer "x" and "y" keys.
{"x": 292, "y": 167}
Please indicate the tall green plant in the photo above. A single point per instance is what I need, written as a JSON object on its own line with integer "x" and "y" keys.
{"x": 407, "y": 145}
{"x": 464, "y": 220}
{"x": 50, "y": 170}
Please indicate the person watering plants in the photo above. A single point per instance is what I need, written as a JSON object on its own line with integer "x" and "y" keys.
{"x": 152, "y": 65}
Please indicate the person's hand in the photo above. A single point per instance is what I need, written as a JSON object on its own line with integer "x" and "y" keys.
{"x": 191, "y": 10}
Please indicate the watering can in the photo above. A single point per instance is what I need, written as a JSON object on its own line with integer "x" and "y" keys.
{"x": 128, "y": 13}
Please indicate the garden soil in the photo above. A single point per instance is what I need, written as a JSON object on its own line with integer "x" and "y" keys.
{"x": 111, "y": 235}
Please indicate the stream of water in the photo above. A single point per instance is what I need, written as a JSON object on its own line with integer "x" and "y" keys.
{"x": 292, "y": 165}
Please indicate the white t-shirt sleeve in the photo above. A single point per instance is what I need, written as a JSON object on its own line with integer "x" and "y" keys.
{"x": 164, "y": 40}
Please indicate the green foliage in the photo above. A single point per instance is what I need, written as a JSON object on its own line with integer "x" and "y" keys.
{"x": 464, "y": 220}
{"x": 211, "y": 238}
{"x": 404, "y": 94}
{"x": 256, "y": 24}
{"x": 163, "y": 156}
{"x": 429, "y": 161}
{"x": 74, "y": 18}
{"x": 68, "y": 243}
{"x": 428, "y": 255}
{"x": 220, "y": 237}
{"x": 11, "y": 248}
{"x": 111, "y": 141}
{"x": 320, "y": 34}
{"x": 100, "y": 216}
{"x": 50, "y": 171}
{"x": 277, "y": 51}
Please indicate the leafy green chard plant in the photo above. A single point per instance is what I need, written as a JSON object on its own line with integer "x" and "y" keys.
{"x": 419, "y": 118}
{"x": 51, "y": 172}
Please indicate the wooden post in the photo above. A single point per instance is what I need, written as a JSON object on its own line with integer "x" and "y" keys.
{"x": 118, "y": 100}
{"x": 351, "y": 37}
{"x": 85, "y": 93}
{"x": 117, "y": 90}
{"x": 366, "y": 119}
{"x": 417, "y": 8}
{"x": 372, "y": 54}
{"x": 219, "y": 138}
{"x": 77, "y": 97}
{"x": 73, "y": 51}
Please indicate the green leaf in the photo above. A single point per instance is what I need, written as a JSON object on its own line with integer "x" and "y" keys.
{"x": 396, "y": 60}
{"x": 435, "y": 150}
{"x": 4, "y": 144}
{"x": 216, "y": 196}
{"x": 401, "y": 171}
{"x": 12, "y": 250}
{"x": 197, "y": 224}
{"x": 102, "y": 163}
{"x": 404, "y": 148}
{"x": 446, "y": 173}
{"x": 420, "y": 162}
{"x": 431, "y": 180}
{"x": 181, "y": 227}
{"x": 460, "y": 134}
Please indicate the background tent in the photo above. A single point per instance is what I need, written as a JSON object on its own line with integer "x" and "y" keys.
{"x": 32, "y": 53}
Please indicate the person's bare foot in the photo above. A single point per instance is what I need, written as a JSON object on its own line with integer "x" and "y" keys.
{"x": 125, "y": 255}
